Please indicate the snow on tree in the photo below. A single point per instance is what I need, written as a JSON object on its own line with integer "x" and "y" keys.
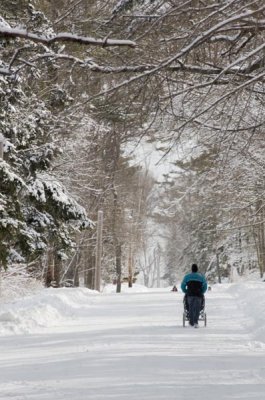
{"x": 36, "y": 211}
{"x": 184, "y": 72}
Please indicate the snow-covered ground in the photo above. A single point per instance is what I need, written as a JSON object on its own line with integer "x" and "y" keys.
{"x": 75, "y": 344}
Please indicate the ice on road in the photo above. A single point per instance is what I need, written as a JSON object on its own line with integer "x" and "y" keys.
{"x": 132, "y": 346}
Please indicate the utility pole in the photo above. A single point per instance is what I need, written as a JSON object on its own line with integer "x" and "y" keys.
{"x": 99, "y": 251}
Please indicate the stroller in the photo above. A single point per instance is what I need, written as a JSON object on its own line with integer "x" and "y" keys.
{"x": 202, "y": 316}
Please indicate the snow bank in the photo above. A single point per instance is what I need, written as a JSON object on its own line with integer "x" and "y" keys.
{"x": 45, "y": 309}
{"x": 53, "y": 307}
{"x": 251, "y": 299}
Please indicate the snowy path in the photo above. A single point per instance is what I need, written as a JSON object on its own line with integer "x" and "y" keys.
{"x": 133, "y": 347}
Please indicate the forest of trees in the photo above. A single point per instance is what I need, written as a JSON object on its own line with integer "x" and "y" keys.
{"x": 82, "y": 83}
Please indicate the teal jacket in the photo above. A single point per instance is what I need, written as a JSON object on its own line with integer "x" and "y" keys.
{"x": 194, "y": 276}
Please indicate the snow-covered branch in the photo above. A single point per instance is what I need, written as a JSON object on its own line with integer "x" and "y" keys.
{"x": 5, "y": 71}
{"x": 62, "y": 37}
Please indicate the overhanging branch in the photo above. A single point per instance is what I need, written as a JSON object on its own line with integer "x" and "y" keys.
{"x": 62, "y": 37}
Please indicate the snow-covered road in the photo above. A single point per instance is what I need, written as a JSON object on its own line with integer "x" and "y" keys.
{"x": 132, "y": 346}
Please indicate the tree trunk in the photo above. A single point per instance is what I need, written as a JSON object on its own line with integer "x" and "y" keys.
{"x": 57, "y": 270}
{"x": 49, "y": 278}
{"x": 118, "y": 267}
{"x": 130, "y": 266}
{"x": 260, "y": 245}
{"x": 261, "y": 251}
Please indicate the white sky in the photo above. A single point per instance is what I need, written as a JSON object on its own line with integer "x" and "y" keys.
{"x": 74, "y": 344}
{"x": 147, "y": 155}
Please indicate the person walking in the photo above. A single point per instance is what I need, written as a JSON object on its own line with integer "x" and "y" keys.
{"x": 194, "y": 285}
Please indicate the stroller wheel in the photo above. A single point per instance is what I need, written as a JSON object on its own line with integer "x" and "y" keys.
{"x": 184, "y": 319}
{"x": 205, "y": 319}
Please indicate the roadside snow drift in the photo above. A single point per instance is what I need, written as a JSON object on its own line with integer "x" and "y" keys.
{"x": 48, "y": 308}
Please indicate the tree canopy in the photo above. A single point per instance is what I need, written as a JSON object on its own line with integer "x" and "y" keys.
{"x": 93, "y": 77}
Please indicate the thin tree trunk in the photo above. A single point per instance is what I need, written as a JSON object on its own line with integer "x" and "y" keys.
{"x": 130, "y": 265}
{"x": 49, "y": 278}
{"x": 118, "y": 267}
{"x": 57, "y": 270}
{"x": 261, "y": 245}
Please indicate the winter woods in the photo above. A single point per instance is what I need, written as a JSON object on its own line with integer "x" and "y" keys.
{"x": 81, "y": 84}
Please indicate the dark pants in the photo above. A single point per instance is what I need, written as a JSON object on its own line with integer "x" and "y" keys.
{"x": 195, "y": 304}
